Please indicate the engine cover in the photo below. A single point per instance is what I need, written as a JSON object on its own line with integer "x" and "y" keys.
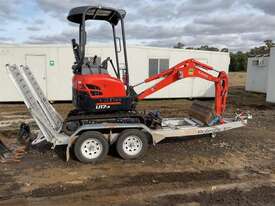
{"x": 100, "y": 93}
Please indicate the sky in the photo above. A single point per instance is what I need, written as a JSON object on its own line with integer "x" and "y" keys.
{"x": 233, "y": 24}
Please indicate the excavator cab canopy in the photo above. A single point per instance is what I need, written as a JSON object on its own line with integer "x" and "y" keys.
{"x": 96, "y": 13}
{"x": 79, "y": 15}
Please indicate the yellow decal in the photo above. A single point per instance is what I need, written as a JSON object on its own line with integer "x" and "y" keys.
{"x": 191, "y": 71}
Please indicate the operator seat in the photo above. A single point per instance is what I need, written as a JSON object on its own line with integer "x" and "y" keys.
{"x": 92, "y": 65}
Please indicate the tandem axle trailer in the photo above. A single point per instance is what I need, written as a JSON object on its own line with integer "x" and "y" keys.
{"x": 91, "y": 141}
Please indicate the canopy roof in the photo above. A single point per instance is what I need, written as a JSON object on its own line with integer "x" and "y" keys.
{"x": 108, "y": 14}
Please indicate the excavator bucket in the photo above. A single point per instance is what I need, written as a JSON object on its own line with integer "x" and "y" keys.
{"x": 15, "y": 151}
{"x": 202, "y": 112}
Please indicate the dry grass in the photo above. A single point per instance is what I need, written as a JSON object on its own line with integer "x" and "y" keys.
{"x": 237, "y": 79}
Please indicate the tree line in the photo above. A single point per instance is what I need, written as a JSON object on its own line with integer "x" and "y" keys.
{"x": 238, "y": 59}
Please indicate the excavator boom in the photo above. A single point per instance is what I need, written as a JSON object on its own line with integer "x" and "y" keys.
{"x": 191, "y": 68}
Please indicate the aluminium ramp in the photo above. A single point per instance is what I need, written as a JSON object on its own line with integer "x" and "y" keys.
{"x": 47, "y": 119}
{"x": 51, "y": 114}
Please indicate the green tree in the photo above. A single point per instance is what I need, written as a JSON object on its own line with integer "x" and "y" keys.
{"x": 262, "y": 50}
{"x": 191, "y": 48}
{"x": 269, "y": 43}
{"x": 224, "y": 50}
{"x": 179, "y": 45}
{"x": 208, "y": 48}
{"x": 238, "y": 61}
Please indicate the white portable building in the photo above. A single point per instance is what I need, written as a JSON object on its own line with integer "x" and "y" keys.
{"x": 270, "y": 96}
{"x": 51, "y": 65}
{"x": 257, "y": 72}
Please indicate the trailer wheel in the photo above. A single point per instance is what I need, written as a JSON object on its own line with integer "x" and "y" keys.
{"x": 132, "y": 144}
{"x": 91, "y": 147}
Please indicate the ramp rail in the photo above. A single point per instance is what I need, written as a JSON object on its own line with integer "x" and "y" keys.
{"x": 44, "y": 114}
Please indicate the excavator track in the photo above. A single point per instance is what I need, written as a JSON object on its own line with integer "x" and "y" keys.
{"x": 77, "y": 118}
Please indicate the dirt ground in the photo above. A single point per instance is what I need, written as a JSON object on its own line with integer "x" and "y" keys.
{"x": 235, "y": 168}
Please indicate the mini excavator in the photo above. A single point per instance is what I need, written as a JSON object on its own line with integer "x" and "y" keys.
{"x": 100, "y": 97}
{"x": 105, "y": 103}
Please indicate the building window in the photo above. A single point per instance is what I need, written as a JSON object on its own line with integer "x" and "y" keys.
{"x": 255, "y": 62}
{"x": 259, "y": 62}
{"x": 157, "y": 65}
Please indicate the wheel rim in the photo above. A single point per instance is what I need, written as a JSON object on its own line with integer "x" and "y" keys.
{"x": 132, "y": 145}
{"x": 91, "y": 148}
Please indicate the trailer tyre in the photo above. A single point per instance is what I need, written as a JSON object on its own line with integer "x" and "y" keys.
{"x": 132, "y": 144}
{"x": 91, "y": 147}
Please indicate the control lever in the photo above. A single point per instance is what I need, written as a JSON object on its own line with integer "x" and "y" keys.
{"x": 104, "y": 64}
{"x": 94, "y": 59}
{"x": 117, "y": 75}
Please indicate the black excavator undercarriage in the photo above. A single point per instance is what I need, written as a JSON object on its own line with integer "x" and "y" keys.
{"x": 77, "y": 118}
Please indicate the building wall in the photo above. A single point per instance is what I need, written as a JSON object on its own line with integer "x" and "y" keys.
{"x": 270, "y": 97}
{"x": 51, "y": 65}
{"x": 186, "y": 88}
{"x": 257, "y": 71}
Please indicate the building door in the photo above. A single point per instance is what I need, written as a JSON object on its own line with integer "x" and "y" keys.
{"x": 37, "y": 64}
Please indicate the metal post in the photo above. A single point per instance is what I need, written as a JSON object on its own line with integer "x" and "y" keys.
{"x": 116, "y": 52}
{"x": 125, "y": 52}
{"x": 82, "y": 41}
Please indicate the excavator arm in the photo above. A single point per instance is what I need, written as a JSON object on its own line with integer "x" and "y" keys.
{"x": 191, "y": 68}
